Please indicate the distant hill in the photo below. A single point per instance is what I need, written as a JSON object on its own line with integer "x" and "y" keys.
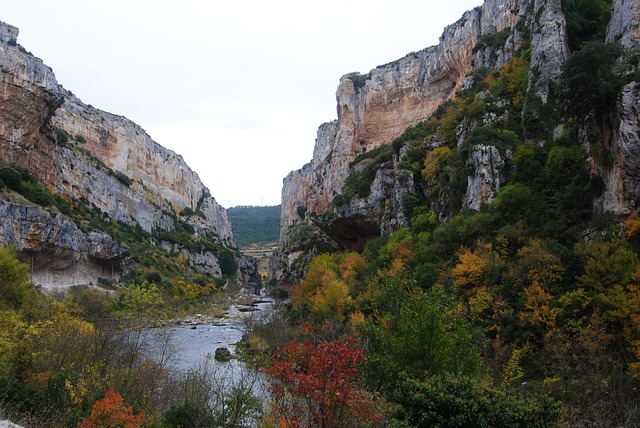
{"x": 253, "y": 224}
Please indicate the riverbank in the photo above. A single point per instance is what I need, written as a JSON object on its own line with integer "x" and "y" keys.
{"x": 193, "y": 338}
{"x": 236, "y": 310}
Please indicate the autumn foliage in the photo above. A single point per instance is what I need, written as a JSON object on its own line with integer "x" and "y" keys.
{"x": 111, "y": 412}
{"x": 315, "y": 382}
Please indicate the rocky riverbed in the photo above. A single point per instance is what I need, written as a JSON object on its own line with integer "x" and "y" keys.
{"x": 194, "y": 338}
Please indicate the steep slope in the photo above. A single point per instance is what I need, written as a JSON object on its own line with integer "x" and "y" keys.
{"x": 352, "y": 190}
{"x": 104, "y": 162}
{"x": 622, "y": 174}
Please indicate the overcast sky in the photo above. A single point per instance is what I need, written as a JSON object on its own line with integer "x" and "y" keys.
{"x": 238, "y": 88}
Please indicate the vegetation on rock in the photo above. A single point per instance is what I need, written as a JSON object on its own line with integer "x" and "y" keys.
{"x": 525, "y": 312}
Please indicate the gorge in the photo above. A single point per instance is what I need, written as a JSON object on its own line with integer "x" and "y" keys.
{"x": 463, "y": 248}
{"x": 113, "y": 169}
{"x": 375, "y": 109}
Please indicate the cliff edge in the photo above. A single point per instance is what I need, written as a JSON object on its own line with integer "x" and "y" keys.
{"x": 352, "y": 190}
{"x": 106, "y": 163}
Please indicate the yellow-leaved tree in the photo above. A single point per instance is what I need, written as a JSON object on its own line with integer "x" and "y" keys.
{"x": 15, "y": 282}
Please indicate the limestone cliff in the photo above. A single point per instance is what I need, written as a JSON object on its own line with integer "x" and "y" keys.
{"x": 376, "y": 108}
{"x": 57, "y": 250}
{"x": 161, "y": 180}
{"x": 104, "y": 160}
{"x": 622, "y": 174}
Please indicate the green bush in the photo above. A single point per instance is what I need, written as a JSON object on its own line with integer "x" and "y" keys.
{"x": 410, "y": 201}
{"x": 461, "y": 401}
{"x": 21, "y": 181}
{"x": 62, "y": 136}
{"x": 494, "y": 41}
{"x": 358, "y": 79}
{"x": 121, "y": 177}
{"x": 11, "y": 178}
{"x": 228, "y": 263}
{"x": 586, "y": 20}
{"x": 489, "y": 136}
{"x": 359, "y": 183}
{"x": 188, "y": 211}
{"x": 188, "y": 415}
{"x": 423, "y": 332}
{"x": 591, "y": 80}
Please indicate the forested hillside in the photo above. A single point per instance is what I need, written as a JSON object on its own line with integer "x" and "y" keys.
{"x": 519, "y": 307}
{"x": 255, "y": 224}
{"x": 521, "y": 310}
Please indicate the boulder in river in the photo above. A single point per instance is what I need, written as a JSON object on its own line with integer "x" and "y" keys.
{"x": 222, "y": 354}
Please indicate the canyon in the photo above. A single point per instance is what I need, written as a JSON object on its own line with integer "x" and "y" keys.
{"x": 377, "y": 107}
{"x": 106, "y": 162}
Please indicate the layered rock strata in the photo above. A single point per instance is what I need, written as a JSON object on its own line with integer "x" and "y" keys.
{"x": 105, "y": 160}
{"x": 375, "y": 108}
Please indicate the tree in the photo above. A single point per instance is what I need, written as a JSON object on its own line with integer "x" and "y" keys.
{"x": 586, "y": 20}
{"x": 111, "y": 412}
{"x": 141, "y": 306}
{"x": 15, "y": 282}
{"x": 324, "y": 292}
{"x": 418, "y": 332}
{"x": 632, "y": 226}
{"x": 322, "y": 269}
{"x": 332, "y": 301}
{"x": 606, "y": 265}
{"x": 216, "y": 395}
{"x": 591, "y": 80}
{"x": 476, "y": 268}
{"x": 315, "y": 383}
{"x": 435, "y": 162}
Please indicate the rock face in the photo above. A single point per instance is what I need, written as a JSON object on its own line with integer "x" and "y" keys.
{"x": 59, "y": 252}
{"x": 622, "y": 175}
{"x": 160, "y": 177}
{"x": 375, "y": 108}
{"x": 29, "y": 95}
{"x": 103, "y": 159}
{"x": 486, "y": 175}
{"x": 549, "y": 46}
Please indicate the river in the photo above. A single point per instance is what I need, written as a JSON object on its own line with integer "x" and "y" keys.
{"x": 196, "y": 339}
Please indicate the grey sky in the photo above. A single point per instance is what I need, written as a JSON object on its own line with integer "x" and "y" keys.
{"x": 237, "y": 88}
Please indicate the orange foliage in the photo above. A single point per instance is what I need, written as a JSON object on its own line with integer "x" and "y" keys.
{"x": 322, "y": 269}
{"x": 470, "y": 271}
{"x": 632, "y": 225}
{"x": 323, "y": 292}
{"x": 538, "y": 311}
{"x": 111, "y": 412}
{"x": 402, "y": 253}
{"x": 352, "y": 264}
{"x": 435, "y": 162}
{"x": 332, "y": 300}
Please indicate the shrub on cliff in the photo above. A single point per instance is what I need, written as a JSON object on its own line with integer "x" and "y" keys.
{"x": 591, "y": 80}
{"x": 586, "y": 20}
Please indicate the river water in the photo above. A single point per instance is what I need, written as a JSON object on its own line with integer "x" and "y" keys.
{"x": 191, "y": 343}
